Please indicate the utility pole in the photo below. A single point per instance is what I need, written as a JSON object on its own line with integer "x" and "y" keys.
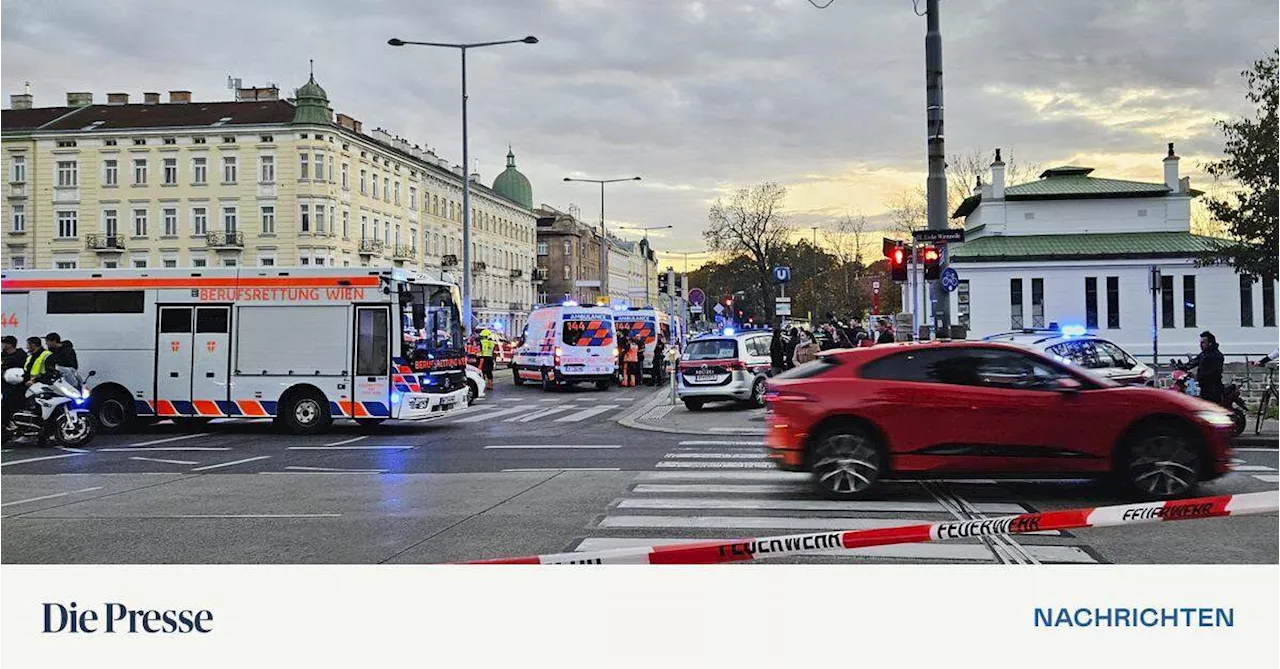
{"x": 937, "y": 181}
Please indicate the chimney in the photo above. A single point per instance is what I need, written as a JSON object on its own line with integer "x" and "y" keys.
{"x": 357, "y": 126}
{"x": 257, "y": 93}
{"x": 22, "y": 101}
{"x": 1171, "y": 170}
{"x": 997, "y": 178}
{"x": 151, "y": 98}
{"x": 346, "y": 122}
{"x": 117, "y": 98}
{"x": 79, "y": 99}
{"x": 179, "y": 97}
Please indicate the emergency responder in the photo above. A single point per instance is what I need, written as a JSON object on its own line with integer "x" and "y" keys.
{"x": 14, "y": 358}
{"x": 487, "y": 345}
{"x": 659, "y": 360}
{"x": 37, "y": 359}
{"x": 61, "y": 353}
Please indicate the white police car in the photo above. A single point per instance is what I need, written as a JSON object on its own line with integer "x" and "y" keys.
{"x": 1075, "y": 345}
{"x": 729, "y": 366}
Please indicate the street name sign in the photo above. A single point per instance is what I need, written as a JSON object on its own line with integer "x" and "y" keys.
{"x": 953, "y": 235}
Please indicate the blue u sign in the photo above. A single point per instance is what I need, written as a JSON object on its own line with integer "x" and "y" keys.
{"x": 782, "y": 274}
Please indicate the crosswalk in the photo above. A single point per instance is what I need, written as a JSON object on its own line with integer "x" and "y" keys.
{"x": 545, "y": 410}
{"x": 1260, "y": 472}
{"x": 719, "y": 489}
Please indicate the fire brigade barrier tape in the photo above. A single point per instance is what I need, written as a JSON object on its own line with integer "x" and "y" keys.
{"x": 712, "y": 552}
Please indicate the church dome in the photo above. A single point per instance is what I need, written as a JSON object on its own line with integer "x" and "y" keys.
{"x": 513, "y": 185}
{"x": 312, "y": 104}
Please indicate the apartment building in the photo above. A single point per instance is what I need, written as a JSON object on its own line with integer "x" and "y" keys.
{"x": 258, "y": 181}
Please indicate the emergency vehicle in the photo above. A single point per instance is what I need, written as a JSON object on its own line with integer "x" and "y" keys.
{"x": 648, "y": 323}
{"x": 301, "y": 345}
{"x": 565, "y": 345}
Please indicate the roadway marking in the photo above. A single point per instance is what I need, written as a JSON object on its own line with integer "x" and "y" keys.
{"x": 1267, "y": 478}
{"x": 348, "y": 441}
{"x": 47, "y": 457}
{"x": 539, "y": 414}
{"x": 132, "y": 449}
{"x": 723, "y": 488}
{"x": 1254, "y": 450}
{"x": 868, "y": 506}
{"x": 715, "y": 465}
{"x": 720, "y": 443}
{"x": 720, "y": 456}
{"x": 350, "y": 448}
{"x": 493, "y": 446}
{"x": 744, "y": 476}
{"x": 228, "y": 464}
{"x": 491, "y": 415}
{"x": 44, "y": 497}
{"x": 749, "y": 522}
{"x": 169, "y": 439}
{"x": 167, "y": 462}
{"x": 256, "y": 515}
{"x": 562, "y": 469}
{"x": 1251, "y": 468}
{"x": 332, "y": 470}
{"x": 738, "y": 430}
{"x": 586, "y": 413}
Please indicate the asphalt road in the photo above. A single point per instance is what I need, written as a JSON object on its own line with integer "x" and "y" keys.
{"x": 523, "y": 472}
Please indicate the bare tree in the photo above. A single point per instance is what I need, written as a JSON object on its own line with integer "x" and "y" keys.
{"x": 845, "y": 239}
{"x": 751, "y": 224}
{"x": 908, "y": 210}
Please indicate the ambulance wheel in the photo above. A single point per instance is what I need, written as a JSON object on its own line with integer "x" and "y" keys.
{"x": 473, "y": 392}
{"x": 548, "y": 382}
{"x": 515, "y": 375}
{"x": 113, "y": 410}
{"x": 603, "y": 385}
{"x": 304, "y": 411}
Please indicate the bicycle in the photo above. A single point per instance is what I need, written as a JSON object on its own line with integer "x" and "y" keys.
{"x": 1269, "y": 395}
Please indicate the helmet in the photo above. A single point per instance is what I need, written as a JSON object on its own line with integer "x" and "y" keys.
{"x": 13, "y": 376}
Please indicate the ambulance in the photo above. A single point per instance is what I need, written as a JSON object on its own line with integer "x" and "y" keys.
{"x": 567, "y": 345}
{"x": 648, "y": 322}
{"x": 302, "y": 346}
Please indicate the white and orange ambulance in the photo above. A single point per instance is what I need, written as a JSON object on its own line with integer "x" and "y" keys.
{"x": 565, "y": 345}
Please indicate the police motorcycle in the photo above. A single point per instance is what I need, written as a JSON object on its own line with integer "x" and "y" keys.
{"x": 56, "y": 406}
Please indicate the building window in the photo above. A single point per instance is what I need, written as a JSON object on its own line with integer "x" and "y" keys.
{"x": 67, "y": 224}
{"x": 139, "y": 171}
{"x": 1246, "y": 301}
{"x": 267, "y": 169}
{"x": 170, "y": 171}
{"x": 66, "y": 264}
{"x": 66, "y": 143}
{"x": 267, "y": 139}
{"x": 169, "y": 140}
{"x": 1113, "y": 302}
{"x": 170, "y": 221}
{"x": 169, "y": 263}
{"x": 397, "y": 197}
{"x": 266, "y": 262}
{"x": 140, "y": 142}
{"x": 413, "y": 198}
{"x": 331, "y": 172}
{"x": 1015, "y": 304}
{"x": 199, "y": 221}
{"x": 304, "y": 261}
{"x": 1166, "y": 302}
{"x": 17, "y": 262}
{"x": 375, "y": 185}
{"x": 229, "y": 219}
{"x": 319, "y": 167}
{"x": 1268, "y": 303}
{"x": 230, "y": 262}
{"x": 18, "y": 169}
{"x": 364, "y": 227}
{"x": 386, "y": 232}
{"x": 139, "y": 222}
{"x": 1189, "y": 301}
{"x": 568, "y": 272}
{"x": 346, "y": 224}
{"x": 68, "y": 173}
{"x": 199, "y": 140}
{"x": 228, "y": 139}
{"x": 568, "y": 247}
{"x": 386, "y": 189}
{"x": 268, "y": 215}
{"x": 199, "y": 171}
{"x": 304, "y": 166}
{"x": 319, "y": 219}
{"x": 304, "y": 218}
{"x": 140, "y": 263}
{"x": 110, "y": 223}
{"x": 1091, "y": 302}
{"x": 413, "y": 239}
{"x": 397, "y": 235}
{"x": 18, "y": 218}
{"x": 199, "y": 262}
{"x": 228, "y": 169}
{"x": 346, "y": 176}
{"x": 1037, "y": 303}
{"x": 110, "y": 173}
{"x": 364, "y": 179}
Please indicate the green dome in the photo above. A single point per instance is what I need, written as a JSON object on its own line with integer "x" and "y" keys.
{"x": 513, "y": 185}
{"x": 312, "y": 104}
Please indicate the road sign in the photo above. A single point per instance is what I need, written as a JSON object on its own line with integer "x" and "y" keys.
{"x": 697, "y": 298}
{"x": 875, "y": 285}
{"x": 955, "y": 235}
{"x": 782, "y": 306}
{"x": 781, "y": 274}
{"x": 950, "y": 279}
{"x": 695, "y": 308}
{"x": 719, "y": 308}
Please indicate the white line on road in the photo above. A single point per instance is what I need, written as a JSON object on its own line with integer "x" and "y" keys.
{"x": 169, "y": 439}
{"x": 331, "y": 470}
{"x": 348, "y": 441}
{"x": 858, "y": 506}
{"x": 715, "y": 465}
{"x": 1254, "y": 450}
{"x": 351, "y": 448}
{"x": 563, "y": 469}
{"x": 57, "y": 494}
{"x": 738, "y": 430}
{"x": 167, "y": 462}
{"x": 493, "y": 446}
{"x": 228, "y": 464}
{"x": 256, "y": 515}
{"x": 586, "y": 413}
{"x": 1252, "y": 468}
{"x": 489, "y": 415}
{"x": 704, "y": 442}
{"x": 47, "y": 457}
{"x": 709, "y": 475}
{"x": 132, "y": 449}
{"x": 717, "y": 456}
{"x": 723, "y": 488}
{"x": 539, "y": 414}
{"x": 1267, "y": 478}
{"x": 750, "y": 522}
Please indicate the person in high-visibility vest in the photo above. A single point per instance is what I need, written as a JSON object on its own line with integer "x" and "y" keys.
{"x": 37, "y": 354}
{"x": 487, "y": 345}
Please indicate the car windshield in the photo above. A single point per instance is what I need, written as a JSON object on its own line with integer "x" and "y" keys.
{"x": 587, "y": 331}
{"x": 637, "y": 327}
{"x": 711, "y": 349}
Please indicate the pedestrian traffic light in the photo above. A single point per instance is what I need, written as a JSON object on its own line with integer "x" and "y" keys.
{"x": 663, "y": 287}
{"x": 898, "y": 263}
{"x": 932, "y": 259}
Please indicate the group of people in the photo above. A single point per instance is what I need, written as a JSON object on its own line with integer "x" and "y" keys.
{"x": 42, "y": 356}
{"x": 794, "y": 346}
{"x": 631, "y": 359}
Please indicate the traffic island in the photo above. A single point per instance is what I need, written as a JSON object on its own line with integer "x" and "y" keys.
{"x": 725, "y": 419}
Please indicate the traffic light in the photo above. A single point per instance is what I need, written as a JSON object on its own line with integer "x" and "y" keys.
{"x": 898, "y": 263}
{"x": 663, "y": 287}
{"x": 932, "y": 259}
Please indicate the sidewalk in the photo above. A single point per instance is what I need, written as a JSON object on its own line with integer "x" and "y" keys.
{"x": 1268, "y": 439}
{"x": 724, "y": 419}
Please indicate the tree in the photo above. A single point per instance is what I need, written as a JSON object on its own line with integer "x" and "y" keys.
{"x": 908, "y": 209}
{"x": 751, "y": 224}
{"x": 845, "y": 240}
{"x": 1250, "y": 215}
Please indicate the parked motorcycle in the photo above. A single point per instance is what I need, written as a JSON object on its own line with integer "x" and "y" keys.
{"x": 56, "y": 407}
{"x": 1183, "y": 381}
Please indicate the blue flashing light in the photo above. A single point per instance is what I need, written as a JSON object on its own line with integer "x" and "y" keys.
{"x": 395, "y": 398}
{"x": 1073, "y": 330}
{"x": 568, "y": 303}
{"x": 728, "y": 332}
{"x": 79, "y": 401}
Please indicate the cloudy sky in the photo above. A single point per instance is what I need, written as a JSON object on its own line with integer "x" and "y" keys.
{"x": 699, "y": 98}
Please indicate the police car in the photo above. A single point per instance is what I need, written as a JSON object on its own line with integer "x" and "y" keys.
{"x": 728, "y": 365}
{"x": 1075, "y": 345}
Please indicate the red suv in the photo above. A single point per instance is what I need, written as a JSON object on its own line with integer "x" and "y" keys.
{"x": 957, "y": 409}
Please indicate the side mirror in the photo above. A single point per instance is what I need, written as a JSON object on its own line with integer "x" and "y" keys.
{"x": 92, "y": 373}
{"x": 1067, "y": 384}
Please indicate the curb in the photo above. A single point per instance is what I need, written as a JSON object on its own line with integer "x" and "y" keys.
{"x": 631, "y": 420}
{"x": 1256, "y": 441}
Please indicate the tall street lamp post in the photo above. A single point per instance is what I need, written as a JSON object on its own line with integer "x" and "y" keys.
{"x": 466, "y": 160}
{"x": 604, "y": 237}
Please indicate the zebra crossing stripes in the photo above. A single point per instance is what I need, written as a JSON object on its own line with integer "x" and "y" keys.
{"x": 531, "y": 411}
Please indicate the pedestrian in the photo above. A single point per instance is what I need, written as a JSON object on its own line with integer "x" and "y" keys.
{"x": 62, "y": 355}
{"x": 37, "y": 357}
{"x": 793, "y": 342}
{"x": 659, "y": 360}
{"x": 884, "y": 332}
{"x": 487, "y": 345}
{"x": 640, "y": 358}
{"x": 624, "y": 344}
{"x": 14, "y": 393}
{"x": 806, "y": 350}
{"x": 630, "y": 365}
{"x": 1209, "y": 365}
{"x": 776, "y": 358}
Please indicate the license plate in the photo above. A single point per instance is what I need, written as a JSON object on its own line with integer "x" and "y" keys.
{"x": 445, "y": 406}
{"x": 705, "y": 376}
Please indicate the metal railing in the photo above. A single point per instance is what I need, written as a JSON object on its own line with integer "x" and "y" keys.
{"x": 403, "y": 252}
{"x": 448, "y": 260}
{"x": 104, "y": 242}
{"x": 478, "y": 266}
{"x": 228, "y": 239}
{"x": 517, "y": 273}
{"x": 371, "y": 246}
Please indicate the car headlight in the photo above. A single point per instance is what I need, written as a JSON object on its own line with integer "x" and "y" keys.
{"x": 1215, "y": 418}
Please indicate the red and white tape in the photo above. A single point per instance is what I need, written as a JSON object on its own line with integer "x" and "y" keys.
{"x": 738, "y": 550}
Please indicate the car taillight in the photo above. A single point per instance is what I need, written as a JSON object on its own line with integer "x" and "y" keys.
{"x": 557, "y": 354}
{"x": 786, "y": 396}
{"x": 736, "y": 364}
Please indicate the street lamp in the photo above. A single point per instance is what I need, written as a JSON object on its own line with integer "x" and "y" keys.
{"x": 604, "y": 237}
{"x": 466, "y": 159}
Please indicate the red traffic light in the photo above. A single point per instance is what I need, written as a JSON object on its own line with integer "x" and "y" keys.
{"x": 898, "y": 256}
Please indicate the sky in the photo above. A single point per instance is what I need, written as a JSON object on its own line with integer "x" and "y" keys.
{"x": 697, "y": 98}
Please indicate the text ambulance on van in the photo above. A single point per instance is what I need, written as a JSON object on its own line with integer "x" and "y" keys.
{"x": 567, "y": 344}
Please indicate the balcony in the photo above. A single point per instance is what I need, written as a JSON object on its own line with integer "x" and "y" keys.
{"x": 517, "y": 273}
{"x": 371, "y": 247}
{"x": 230, "y": 240}
{"x": 478, "y": 266}
{"x": 540, "y": 274}
{"x": 449, "y": 261}
{"x": 404, "y": 253}
{"x": 515, "y": 306}
{"x": 104, "y": 243}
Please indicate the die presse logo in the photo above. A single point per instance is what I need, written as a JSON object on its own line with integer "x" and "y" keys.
{"x": 115, "y": 618}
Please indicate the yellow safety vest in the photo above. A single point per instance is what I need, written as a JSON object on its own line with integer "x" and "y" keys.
{"x": 486, "y": 347}
{"x": 35, "y": 363}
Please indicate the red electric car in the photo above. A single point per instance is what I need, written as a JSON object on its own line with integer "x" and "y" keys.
{"x": 989, "y": 409}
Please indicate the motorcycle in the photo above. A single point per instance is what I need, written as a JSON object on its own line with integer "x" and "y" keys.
{"x": 1183, "y": 381}
{"x": 55, "y": 407}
